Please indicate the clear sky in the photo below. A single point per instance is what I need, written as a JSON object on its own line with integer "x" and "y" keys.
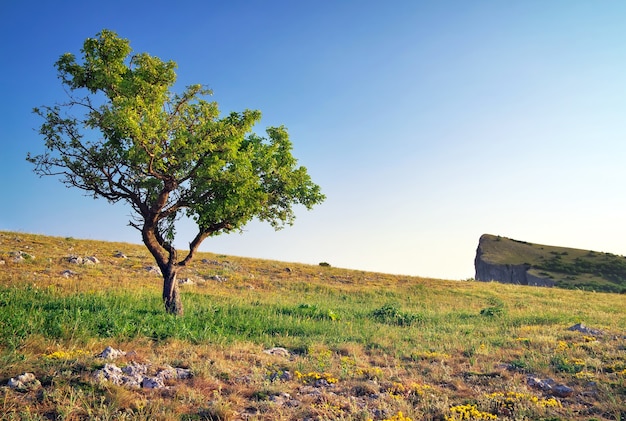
{"x": 426, "y": 123}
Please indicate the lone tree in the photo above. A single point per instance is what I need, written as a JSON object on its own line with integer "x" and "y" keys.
{"x": 124, "y": 136}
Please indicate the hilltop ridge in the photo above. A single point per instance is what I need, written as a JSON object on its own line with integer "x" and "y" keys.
{"x": 520, "y": 262}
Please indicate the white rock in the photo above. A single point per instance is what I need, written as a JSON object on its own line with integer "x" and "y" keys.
{"x": 23, "y": 382}
{"x": 152, "y": 383}
{"x": 111, "y": 353}
{"x": 281, "y": 352}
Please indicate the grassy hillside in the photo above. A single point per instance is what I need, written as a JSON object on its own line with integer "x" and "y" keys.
{"x": 568, "y": 267}
{"x": 361, "y": 345}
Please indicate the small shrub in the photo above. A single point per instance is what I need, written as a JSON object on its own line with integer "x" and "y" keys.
{"x": 390, "y": 314}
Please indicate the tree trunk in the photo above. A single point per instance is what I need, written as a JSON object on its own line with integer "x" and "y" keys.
{"x": 171, "y": 295}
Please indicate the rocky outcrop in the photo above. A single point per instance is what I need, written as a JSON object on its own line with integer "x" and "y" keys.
{"x": 506, "y": 273}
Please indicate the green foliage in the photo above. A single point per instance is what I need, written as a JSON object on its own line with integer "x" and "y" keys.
{"x": 122, "y": 135}
{"x": 496, "y": 308}
{"x": 390, "y": 314}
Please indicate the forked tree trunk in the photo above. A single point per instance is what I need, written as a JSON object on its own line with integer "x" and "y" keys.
{"x": 171, "y": 295}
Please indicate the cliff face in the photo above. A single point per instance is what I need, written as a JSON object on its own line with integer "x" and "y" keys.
{"x": 506, "y": 273}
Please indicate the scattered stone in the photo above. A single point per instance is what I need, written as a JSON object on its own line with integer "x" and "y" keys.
{"x": 322, "y": 383}
{"x": 75, "y": 260}
{"x": 218, "y": 278}
{"x": 288, "y": 270}
{"x": 110, "y": 353}
{"x": 68, "y": 273}
{"x": 2, "y": 262}
{"x": 281, "y": 399}
{"x": 135, "y": 375}
{"x": 24, "y": 382}
{"x": 280, "y": 352}
{"x": 186, "y": 281}
{"x": 120, "y": 255}
{"x": 579, "y": 327}
{"x": 110, "y": 372}
{"x": 380, "y": 413}
{"x": 135, "y": 370}
{"x": 550, "y": 386}
{"x": 284, "y": 376}
{"x": 153, "y": 269}
{"x": 152, "y": 383}
{"x": 20, "y": 256}
{"x": 170, "y": 373}
{"x": 210, "y": 262}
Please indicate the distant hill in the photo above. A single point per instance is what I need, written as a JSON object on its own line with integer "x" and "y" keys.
{"x": 512, "y": 261}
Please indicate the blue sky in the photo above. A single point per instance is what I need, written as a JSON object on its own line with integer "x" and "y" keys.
{"x": 426, "y": 123}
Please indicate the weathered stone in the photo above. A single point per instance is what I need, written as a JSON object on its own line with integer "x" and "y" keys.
{"x": 579, "y": 327}
{"x": 110, "y": 353}
{"x": 135, "y": 369}
{"x": 280, "y": 399}
{"x": 20, "y": 256}
{"x": 24, "y": 382}
{"x": 281, "y": 375}
{"x": 75, "y": 260}
{"x": 562, "y": 391}
{"x": 68, "y": 273}
{"x": 186, "y": 281}
{"x": 127, "y": 377}
{"x": 550, "y": 386}
{"x": 135, "y": 375}
{"x": 120, "y": 255}
{"x": 152, "y": 383}
{"x": 281, "y": 352}
{"x": 169, "y": 373}
{"x": 154, "y": 270}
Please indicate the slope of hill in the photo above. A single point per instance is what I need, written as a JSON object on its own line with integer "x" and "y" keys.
{"x": 513, "y": 261}
{"x": 268, "y": 340}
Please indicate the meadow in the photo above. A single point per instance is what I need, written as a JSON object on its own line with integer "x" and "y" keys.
{"x": 361, "y": 345}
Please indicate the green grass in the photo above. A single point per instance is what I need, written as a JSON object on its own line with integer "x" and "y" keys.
{"x": 568, "y": 267}
{"x": 426, "y": 348}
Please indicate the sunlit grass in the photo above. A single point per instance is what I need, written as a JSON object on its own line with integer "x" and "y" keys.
{"x": 426, "y": 349}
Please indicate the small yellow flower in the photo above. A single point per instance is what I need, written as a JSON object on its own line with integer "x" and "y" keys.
{"x": 561, "y": 346}
{"x": 65, "y": 355}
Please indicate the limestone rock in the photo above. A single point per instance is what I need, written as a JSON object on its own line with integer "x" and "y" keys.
{"x": 24, "y": 382}
{"x": 281, "y": 352}
{"x": 111, "y": 353}
{"x": 152, "y": 383}
{"x": 77, "y": 260}
{"x": 153, "y": 270}
{"x": 579, "y": 327}
{"x": 550, "y": 386}
{"x": 135, "y": 375}
{"x": 20, "y": 256}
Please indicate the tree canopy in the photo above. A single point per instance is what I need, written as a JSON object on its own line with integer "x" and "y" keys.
{"x": 123, "y": 135}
